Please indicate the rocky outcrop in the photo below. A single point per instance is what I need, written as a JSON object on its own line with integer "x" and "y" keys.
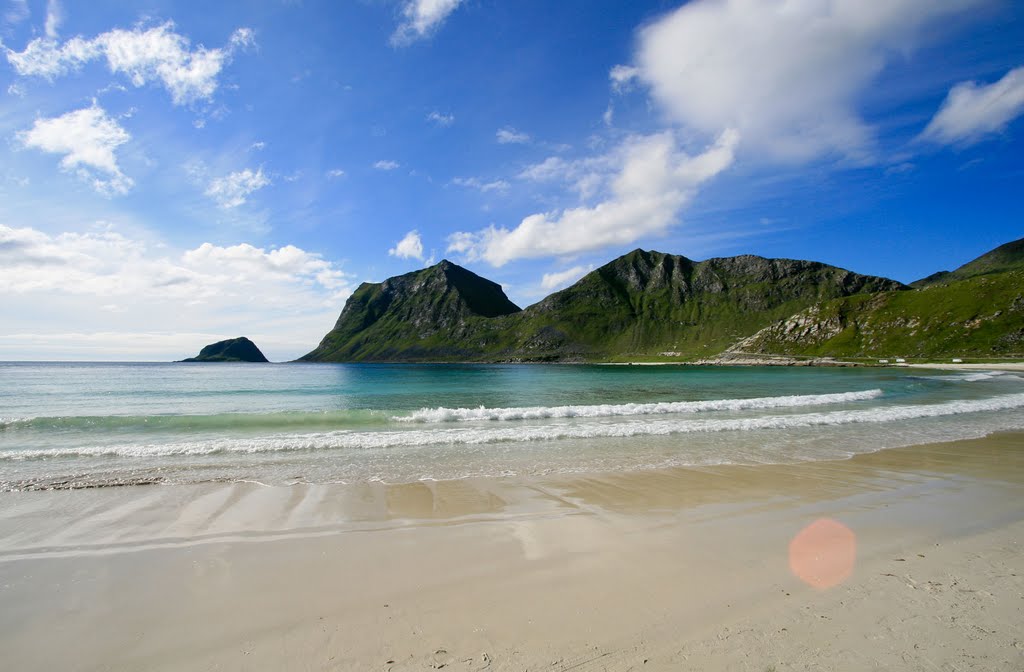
{"x": 232, "y": 350}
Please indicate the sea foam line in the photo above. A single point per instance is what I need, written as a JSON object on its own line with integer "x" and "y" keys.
{"x": 437, "y": 415}
{"x": 549, "y": 432}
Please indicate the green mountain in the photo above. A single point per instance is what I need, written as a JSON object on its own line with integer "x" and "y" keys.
{"x": 232, "y": 350}
{"x": 647, "y": 303}
{"x": 435, "y": 314}
{"x": 1006, "y": 257}
{"x": 642, "y": 304}
{"x": 974, "y": 311}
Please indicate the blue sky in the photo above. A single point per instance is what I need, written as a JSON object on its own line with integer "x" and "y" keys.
{"x": 173, "y": 173}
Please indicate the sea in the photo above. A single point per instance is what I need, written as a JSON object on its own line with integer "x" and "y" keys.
{"x": 87, "y": 425}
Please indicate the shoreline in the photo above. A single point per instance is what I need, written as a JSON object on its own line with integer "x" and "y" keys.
{"x": 827, "y": 363}
{"x": 682, "y": 568}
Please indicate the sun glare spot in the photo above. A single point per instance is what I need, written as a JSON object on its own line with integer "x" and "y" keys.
{"x": 823, "y": 554}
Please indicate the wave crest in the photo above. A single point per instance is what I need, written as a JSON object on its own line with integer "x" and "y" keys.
{"x": 545, "y": 432}
{"x": 439, "y": 415}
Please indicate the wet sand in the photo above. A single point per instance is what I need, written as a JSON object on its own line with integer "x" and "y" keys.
{"x": 918, "y": 566}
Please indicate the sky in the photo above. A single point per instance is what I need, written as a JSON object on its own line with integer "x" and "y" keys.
{"x": 176, "y": 173}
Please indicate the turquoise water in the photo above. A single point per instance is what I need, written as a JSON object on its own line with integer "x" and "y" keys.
{"x": 86, "y": 425}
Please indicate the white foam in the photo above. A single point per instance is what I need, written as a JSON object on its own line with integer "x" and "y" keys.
{"x": 976, "y": 376}
{"x": 541, "y": 432}
{"x": 438, "y": 415}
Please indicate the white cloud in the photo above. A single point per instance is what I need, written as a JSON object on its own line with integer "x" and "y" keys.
{"x": 623, "y": 76}
{"x": 88, "y": 139}
{"x": 108, "y": 264}
{"x": 552, "y": 281}
{"x": 510, "y": 136}
{"x": 647, "y": 181}
{"x": 584, "y": 176}
{"x": 104, "y": 282}
{"x": 54, "y": 17}
{"x": 786, "y": 75}
{"x": 441, "y": 119}
{"x": 17, "y": 11}
{"x": 386, "y": 165}
{"x": 231, "y": 191}
{"x": 409, "y": 247}
{"x": 421, "y": 18}
{"x": 477, "y": 183}
{"x": 258, "y": 146}
{"x": 972, "y": 111}
{"x": 158, "y": 54}
{"x": 335, "y": 173}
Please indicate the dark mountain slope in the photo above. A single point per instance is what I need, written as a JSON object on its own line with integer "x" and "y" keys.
{"x": 424, "y": 315}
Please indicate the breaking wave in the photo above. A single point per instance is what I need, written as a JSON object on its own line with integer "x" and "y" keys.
{"x": 377, "y": 440}
{"x": 437, "y": 415}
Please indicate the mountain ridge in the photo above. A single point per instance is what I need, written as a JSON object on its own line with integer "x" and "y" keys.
{"x": 1006, "y": 257}
{"x": 641, "y": 303}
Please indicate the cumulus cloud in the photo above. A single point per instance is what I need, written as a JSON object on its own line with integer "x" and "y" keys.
{"x": 157, "y": 54}
{"x": 973, "y": 111}
{"x": 786, "y": 75}
{"x": 647, "y": 181}
{"x": 335, "y": 173}
{"x": 441, "y": 119}
{"x": 510, "y": 136}
{"x": 409, "y": 247}
{"x": 421, "y": 18}
{"x": 109, "y": 265}
{"x": 88, "y": 139}
{"x": 104, "y": 281}
{"x": 387, "y": 165}
{"x": 552, "y": 281}
{"x": 477, "y": 183}
{"x": 232, "y": 190}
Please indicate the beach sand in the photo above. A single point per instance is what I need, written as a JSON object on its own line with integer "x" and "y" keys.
{"x": 916, "y": 565}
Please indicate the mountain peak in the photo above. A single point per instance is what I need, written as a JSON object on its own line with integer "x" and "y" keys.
{"x": 406, "y": 313}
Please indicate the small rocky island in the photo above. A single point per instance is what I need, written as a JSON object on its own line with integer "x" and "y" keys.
{"x": 232, "y": 350}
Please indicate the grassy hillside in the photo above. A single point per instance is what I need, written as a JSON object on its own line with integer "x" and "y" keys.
{"x": 980, "y": 316}
{"x": 647, "y": 303}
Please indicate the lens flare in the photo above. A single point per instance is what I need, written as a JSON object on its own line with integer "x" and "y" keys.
{"x": 823, "y": 554}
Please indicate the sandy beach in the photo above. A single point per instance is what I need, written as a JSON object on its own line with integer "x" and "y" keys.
{"x": 685, "y": 569}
